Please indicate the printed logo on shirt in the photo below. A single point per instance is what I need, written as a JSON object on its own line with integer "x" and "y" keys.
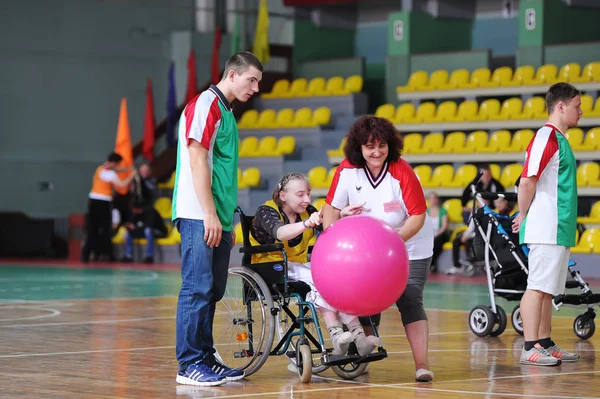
{"x": 358, "y": 188}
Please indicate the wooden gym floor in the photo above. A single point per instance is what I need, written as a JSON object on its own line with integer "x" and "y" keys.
{"x": 109, "y": 332}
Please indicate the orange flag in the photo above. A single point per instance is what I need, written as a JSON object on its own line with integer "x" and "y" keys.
{"x": 123, "y": 145}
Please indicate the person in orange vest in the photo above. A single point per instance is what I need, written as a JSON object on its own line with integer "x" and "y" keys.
{"x": 99, "y": 217}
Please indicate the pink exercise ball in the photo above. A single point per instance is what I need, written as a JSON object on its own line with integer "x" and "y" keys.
{"x": 360, "y": 265}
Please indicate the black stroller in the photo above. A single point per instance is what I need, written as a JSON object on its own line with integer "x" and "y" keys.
{"x": 506, "y": 268}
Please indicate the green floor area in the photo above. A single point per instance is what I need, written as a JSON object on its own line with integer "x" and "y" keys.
{"x": 58, "y": 283}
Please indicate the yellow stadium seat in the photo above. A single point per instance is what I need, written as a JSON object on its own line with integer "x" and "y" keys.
{"x": 386, "y": 111}
{"x": 164, "y": 207}
{"x": 267, "y": 146}
{"x": 520, "y": 140}
{"x": 321, "y": 116}
{"x": 479, "y": 77}
{"x": 460, "y": 229}
{"x": 315, "y": 86}
{"x": 441, "y": 175}
{"x": 588, "y": 174}
{"x": 249, "y": 147}
{"x": 566, "y": 73}
{"x": 266, "y": 119}
{"x": 593, "y": 217}
{"x": 510, "y": 174}
{"x": 249, "y": 120}
{"x": 436, "y": 80}
{"x": 499, "y": 77}
{"x": 283, "y": 120}
{"x": 467, "y": 111}
{"x": 404, "y": 112}
{"x": 595, "y": 113}
{"x": 241, "y": 184}
{"x": 338, "y": 152}
{"x": 416, "y": 81}
{"x": 587, "y": 104}
{"x": 591, "y": 141}
{"x": 319, "y": 203}
{"x": 590, "y": 73}
{"x": 169, "y": 184}
{"x": 495, "y": 171}
{"x": 425, "y": 113}
{"x": 280, "y": 87}
{"x": 458, "y": 77}
{"x": 511, "y": 109}
{"x": 303, "y": 117}
{"x": 412, "y": 143}
{"x": 489, "y": 107}
{"x": 575, "y": 137}
{"x": 423, "y": 172}
{"x": 445, "y": 111}
{"x": 330, "y": 176}
{"x": 454, "y": 208}
{"x": 334, "y": 84}
{"x": 454, "y": 142}
{"x": 544, "y": 74}
{"x": 298, "y": 86}
{"x": 431, "y": 143}
{"x": 353, "y": 84}
{"x": 251, "y": 177}
{"x": 286, "y": 145}
{"x": 534, "y": 108}
{"x": 475, "y": 142}
{"x": 499, "y": 142}
{"x": 464, "y": 175}
{"x": 522, "y": 76}
{"x": 119, "y": 238}
{"x": 589, "y": 242}
{"x": 317, "y": 176}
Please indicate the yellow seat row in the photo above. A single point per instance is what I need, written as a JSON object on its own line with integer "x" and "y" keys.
{"x": 470, "y": 111}
{"x": 443, "y": 176}
{"x": 285, "y": 118}
{"x": 268, "y": 146}
{"x": 301, "y": 87}
{"x": 525, "y": 75}
{"x": 172, "y": 238}
{"x": 320, "y": 177}
{"x": 593, "y": 217}
{"x": 248, "y": 178}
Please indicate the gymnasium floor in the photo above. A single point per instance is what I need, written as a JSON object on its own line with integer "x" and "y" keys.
{"x": 68, "y": 331}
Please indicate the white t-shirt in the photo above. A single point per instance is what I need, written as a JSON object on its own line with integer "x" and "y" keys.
{"x": 392, "y": 196}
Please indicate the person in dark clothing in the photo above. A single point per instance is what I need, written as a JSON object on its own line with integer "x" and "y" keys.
{"x": 485, "y": 183}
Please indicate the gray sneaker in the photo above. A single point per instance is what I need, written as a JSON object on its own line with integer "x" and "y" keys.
{"x": 538, "y": 356}
{"x": 562, "y": 354}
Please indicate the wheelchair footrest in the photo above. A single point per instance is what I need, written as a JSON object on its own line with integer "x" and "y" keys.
{"x": 372, "y": 357}
{"x": 334, "y": 360}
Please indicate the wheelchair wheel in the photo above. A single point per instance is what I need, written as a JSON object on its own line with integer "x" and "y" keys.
{"x": 584, "y": 326}
{"x": 500, "y": 322}
{"x": 515, "y": 317}
{"x": 304, "y": 362}
{"x": 244, "y": 326}
{"x": 283, "y": 323}
{"x": 350, "y": 371}
{"x": 481, "y": 320}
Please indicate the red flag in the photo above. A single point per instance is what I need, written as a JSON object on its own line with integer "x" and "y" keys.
{"x": 216, "y": 76}
{"x": 192, "y": 87}
{"x": 149, "y": 124}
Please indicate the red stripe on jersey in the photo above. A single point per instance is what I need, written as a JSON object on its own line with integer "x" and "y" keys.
{"x": 213, "y": 116}
{"x": 549, "y": 150}
{"x": 336, "y": 178}
{"x": 412, "y": 191}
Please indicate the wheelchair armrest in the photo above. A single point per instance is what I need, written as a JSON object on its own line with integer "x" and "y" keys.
{"x": 261, "y": 249}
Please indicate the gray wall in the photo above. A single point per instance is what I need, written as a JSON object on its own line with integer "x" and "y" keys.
{"x": 64, "y": 67}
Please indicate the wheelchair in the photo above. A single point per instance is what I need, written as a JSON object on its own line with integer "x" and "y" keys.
{"x": 258, "y": 304}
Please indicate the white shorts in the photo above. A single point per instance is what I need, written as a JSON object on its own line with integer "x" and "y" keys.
{"x": 548, "y": 268}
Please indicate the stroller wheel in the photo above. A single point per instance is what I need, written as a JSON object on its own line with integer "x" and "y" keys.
{"x": 517, "y": 323}
{"x": 500, "y": 322}
{"x": 481, "y": 320}
{"x": 584, "y": 326}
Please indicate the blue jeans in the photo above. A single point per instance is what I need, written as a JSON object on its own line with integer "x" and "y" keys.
{"x": 149, "y": 246}
{"x": 204, "y": 277}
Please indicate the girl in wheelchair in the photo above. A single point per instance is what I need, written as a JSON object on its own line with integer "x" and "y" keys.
{"x": 290, "y": 219}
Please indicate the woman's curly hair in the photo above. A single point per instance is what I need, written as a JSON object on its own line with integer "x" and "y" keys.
{"x": 372, "y": 128}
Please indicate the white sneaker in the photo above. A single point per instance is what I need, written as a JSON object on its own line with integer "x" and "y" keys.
{"x": 538, "y": 356}
{"x": 453, "y": 270}
{"x": 424, "y": 375}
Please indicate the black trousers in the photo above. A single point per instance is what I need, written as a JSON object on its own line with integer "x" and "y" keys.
{"x": 438, "y": 244}
{"x": 456, "y": 249}
{"x": 99, "y": 230}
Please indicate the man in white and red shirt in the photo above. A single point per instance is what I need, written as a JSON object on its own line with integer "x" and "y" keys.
{"x": 547, "y": 223}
